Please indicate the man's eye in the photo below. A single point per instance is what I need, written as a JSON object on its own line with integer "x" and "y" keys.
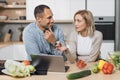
{"x": 49, "y": 17}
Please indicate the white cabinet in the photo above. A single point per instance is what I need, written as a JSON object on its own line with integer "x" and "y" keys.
{"x": 65, "y": 9}
{"x": 6, "y": 53}
{"x": 31, "y": 4}
{"x": 76, "y": 5}
{"x": 14, "y": 52}
{"x": 101, "y": 7}
{"x": 107, "y": 46}
{"x": 62, "y": 9}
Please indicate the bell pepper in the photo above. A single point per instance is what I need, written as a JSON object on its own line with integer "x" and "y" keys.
{"x": 95, "y": 68}
{"x": 107, "y": 68}
{"x": 101, "y": 63}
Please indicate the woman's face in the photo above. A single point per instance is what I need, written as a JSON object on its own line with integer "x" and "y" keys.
{"x": 80, "y": 23}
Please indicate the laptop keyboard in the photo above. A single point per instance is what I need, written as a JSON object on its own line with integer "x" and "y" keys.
{"x": 1, "y": 68}
{"x": 42, "y": 70}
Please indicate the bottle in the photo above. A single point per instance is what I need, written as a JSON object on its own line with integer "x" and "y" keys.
{"x": 8, "y": 36}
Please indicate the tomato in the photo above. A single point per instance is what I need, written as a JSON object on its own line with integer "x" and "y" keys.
{"x": 80, "y": 64}
{"x": 26, "y": 62}
{"x": 107, "y": 68}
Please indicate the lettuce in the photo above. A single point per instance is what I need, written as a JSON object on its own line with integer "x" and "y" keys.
{"x": 18, "y": 69}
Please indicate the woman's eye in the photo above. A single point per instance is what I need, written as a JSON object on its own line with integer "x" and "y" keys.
{"x": 78, "y": 21}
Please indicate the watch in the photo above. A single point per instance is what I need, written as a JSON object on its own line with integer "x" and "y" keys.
{"x": 56, "y": 43}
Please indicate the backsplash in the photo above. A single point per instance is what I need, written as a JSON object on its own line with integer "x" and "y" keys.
{"x": 67, "y": 28}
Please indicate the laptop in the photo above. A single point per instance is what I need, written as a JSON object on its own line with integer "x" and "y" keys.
{"x": 48, "y": 63}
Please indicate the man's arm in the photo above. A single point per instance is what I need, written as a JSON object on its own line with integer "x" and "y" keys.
{"x": 31, "y": 45}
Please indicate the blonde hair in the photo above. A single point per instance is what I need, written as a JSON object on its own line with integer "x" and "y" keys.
{"x": 88, "y": 17}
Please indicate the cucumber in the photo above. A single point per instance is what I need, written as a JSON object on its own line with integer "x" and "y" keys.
{"x": 79, "y": 74}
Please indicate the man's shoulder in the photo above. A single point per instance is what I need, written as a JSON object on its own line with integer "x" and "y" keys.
{"x": 30, "y": 26}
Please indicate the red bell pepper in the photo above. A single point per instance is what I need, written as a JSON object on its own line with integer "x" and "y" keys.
{"x": 107, "y": 68}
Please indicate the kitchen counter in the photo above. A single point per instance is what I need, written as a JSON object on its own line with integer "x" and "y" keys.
{"x": 2, "y": 44}
{"x": 15, "y": 50}
{"x": 62, "y": 76}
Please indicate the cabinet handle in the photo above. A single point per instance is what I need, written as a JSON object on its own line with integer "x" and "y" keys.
{"x": 103, "y": 23}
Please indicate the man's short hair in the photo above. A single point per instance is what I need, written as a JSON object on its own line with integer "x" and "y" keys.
{"x": 40, "y": 9}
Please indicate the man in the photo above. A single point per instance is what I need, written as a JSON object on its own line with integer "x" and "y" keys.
{"x": 41, "y": 36}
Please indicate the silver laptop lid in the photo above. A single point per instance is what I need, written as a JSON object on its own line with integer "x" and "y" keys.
{"x": 52, "y": 63}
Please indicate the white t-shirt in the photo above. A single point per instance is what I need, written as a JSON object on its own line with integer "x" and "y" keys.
{"x": 84, "y": 45}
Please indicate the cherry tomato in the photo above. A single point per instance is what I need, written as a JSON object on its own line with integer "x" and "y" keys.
{"x": 26, "y": 62}
{"x": 80, "y": 64}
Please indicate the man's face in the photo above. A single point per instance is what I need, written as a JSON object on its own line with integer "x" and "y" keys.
{"x": 47, "y": 20}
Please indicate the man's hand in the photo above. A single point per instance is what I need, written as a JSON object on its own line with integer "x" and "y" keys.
{"x": 61, "y": 47}
{"x": 49, "y": 36}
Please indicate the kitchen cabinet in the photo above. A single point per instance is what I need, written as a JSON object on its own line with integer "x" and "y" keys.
{"x": 65, "y": 9}
{"x": 107, "y": 47}
{"x": 31, "y": 4}
{"x": 62, "y": 9}
{"x": 76, "y": 5}
{"x": 13, "y": 10}
{"x": 14, "y": 52}
{"x": 101, "y": 7}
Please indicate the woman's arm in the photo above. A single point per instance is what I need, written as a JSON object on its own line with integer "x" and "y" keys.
{"x": 96, "y": 45}
{"x": 73, "y": 45}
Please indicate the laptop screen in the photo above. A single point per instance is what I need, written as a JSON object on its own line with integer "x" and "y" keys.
{"x": 51, "y": 63}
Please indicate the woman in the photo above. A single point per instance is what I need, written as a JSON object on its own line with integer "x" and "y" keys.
{"x": 85, "y": 42}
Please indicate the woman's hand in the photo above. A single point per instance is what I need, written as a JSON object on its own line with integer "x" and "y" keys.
{"x": 61, "y": 47}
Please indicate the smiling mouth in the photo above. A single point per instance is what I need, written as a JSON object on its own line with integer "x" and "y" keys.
{"x": 77, "y": 27}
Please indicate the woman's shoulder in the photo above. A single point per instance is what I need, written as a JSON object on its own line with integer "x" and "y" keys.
{"x": 72, "y": 36}
{"x": 98, "y": 33}
{"x": 73, "y": 32}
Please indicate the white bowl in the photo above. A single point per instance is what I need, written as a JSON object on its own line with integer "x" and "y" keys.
{"x": 3, "y": 17}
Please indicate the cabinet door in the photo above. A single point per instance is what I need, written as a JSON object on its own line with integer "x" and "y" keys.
{"x": 62, "y": 9}
{"x": 101, "y": 7}
{"x": 31, "y": 4}
{"x": 76, "y": 5}
{"x": 107, "y": 47}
